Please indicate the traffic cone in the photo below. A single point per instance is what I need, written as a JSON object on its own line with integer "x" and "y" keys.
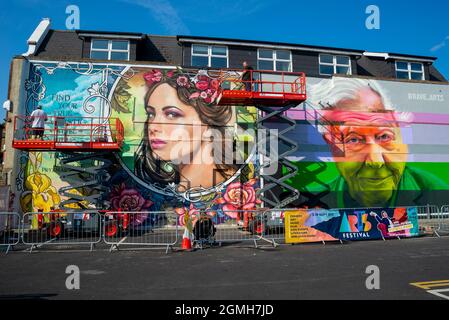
{"x": 186, "y": 243}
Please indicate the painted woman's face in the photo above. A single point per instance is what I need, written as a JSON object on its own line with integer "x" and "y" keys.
{"x": 174, "y": 128}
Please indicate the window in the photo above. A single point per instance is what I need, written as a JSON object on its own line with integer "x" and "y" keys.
{"x": 209, "y": 56}
{"x": 109, "y": 49}
{"x": 276, "y": 60}
{"x": 330, "y": 64}
{"x": 409, "y": 70}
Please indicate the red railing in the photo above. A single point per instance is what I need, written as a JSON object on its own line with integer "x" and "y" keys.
{"x": 276, "y": 86}
{"x": 68, "y": 133}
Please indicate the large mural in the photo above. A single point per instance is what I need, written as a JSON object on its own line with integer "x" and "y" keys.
{"x": 181, "y": 151}
{"x": 372, "y": 144}
{"x": 362, "y": 142}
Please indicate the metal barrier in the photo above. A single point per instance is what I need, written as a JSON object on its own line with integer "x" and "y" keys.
{"x": 9, "y": 230}
{"x": 273, "y": 225}
{"x": 429, "y": 218}
{"x": 163, "y": 228}
{"x": 61, "y": 228}
{"x": 158, "y": 229}
{"x": 444, "y": 219}
{"x": 237, "y": 226}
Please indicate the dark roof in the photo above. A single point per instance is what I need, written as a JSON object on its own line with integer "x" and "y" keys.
{"x": 297, "y": 45}
{"x": 109, "y": 32}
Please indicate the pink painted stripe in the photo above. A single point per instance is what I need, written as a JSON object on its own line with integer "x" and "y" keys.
{"x": 412, "y": 117}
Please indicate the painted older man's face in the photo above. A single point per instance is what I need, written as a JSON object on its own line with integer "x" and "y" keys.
{"x": 367, "y": 147}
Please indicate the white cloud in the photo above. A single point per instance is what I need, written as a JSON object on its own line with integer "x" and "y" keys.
{"x": 165, "y": 13}
{"x": 440, "y": 45}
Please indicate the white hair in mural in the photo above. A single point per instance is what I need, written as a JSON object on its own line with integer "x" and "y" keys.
{"x": 329, "y": 92}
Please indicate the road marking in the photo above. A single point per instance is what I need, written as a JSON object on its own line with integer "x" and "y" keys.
{"x": 438, "y": 293}
{"x": 434, "y": 284}
{"x": 431, "y": 284}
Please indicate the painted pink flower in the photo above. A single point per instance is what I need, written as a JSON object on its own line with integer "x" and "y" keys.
{"x": 239, "y": 197}
{"x": 215, "y": 84}
{"x": 203, "y": 95}
{"x": 192, "y": 212}
{"x": 153, "y": 76}
{"x": 194, "y": 95}
{"x": 202, "y": 85}
{"x": 182, "y": 81}
{"x": 170, "y": 74}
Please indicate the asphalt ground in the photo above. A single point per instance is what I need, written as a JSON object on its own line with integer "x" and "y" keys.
{"x": 314, "y": 271}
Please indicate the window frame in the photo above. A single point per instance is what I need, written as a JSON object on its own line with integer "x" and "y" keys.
{"x": 275, "y": 59}
{"x": 209, "y": 54}
{"x": 409, "y": 70}
{"x": 109, "y": 50}
{"x": 334, "y": 64}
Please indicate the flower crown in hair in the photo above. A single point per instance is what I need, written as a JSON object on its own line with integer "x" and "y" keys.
{"x": 200, "y": 86}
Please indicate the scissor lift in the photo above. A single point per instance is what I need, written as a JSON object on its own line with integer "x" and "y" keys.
{"x": 85, "y": 144}
{"x": 272, "y": 93}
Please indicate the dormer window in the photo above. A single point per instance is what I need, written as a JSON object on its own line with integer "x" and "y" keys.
{"x": 332, "y": 64}
{"x": 105, "y": 49}
{"x": 409, "y": 70}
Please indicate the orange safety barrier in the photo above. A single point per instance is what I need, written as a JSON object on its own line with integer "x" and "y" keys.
{"x": 69, "y": 133}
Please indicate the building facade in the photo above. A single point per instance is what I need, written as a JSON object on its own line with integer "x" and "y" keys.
{"x": 372, "y": 133}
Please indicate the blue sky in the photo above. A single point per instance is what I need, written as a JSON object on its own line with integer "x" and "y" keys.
{"x": 413, "y": 27}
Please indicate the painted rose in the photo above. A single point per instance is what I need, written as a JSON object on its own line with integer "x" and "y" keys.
{"x": 132, "y": 201}
{"x": 215, "y": 84}
{"x": 128, "y": 199}
{"x": 183, "y": 81}
{"x": 239, "y": 197}
{"x": 202, "y": 85}
{"x": 153, "y": 76}
{"x": 192, "y": 213}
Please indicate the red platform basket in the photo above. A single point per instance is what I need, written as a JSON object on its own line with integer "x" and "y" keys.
{"x": 69, "y": 133}
{"x": 264, "y": 87}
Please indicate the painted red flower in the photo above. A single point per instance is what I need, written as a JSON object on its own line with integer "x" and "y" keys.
{"x": 215, "y": 84}
{"x": 130, "y": 200}
{"x": 153, "y": 76}
{"x": 239, "y": 197}
{"x": 202, "y": 85}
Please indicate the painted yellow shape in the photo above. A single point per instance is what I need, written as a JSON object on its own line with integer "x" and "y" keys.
{"x": 431, "y": 284}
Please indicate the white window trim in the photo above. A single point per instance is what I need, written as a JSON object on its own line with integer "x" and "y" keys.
{"x": 209, "y": 54}
{"x": 334, "y": 64}
{"x": 275, "y": 59}
{"x": 109, "y": 50}
{"x": 409, "y": 70}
